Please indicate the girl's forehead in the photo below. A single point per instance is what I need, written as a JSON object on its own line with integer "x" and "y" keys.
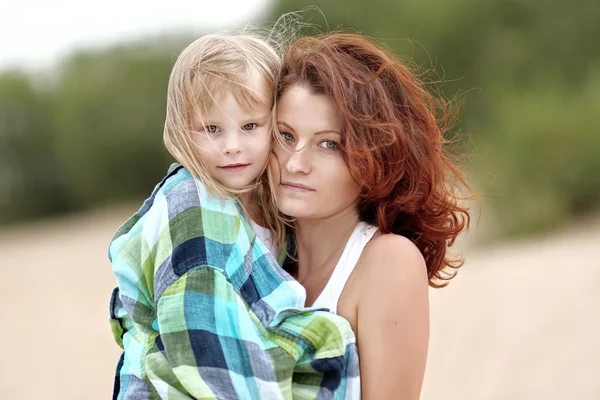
{"x": 249, "y": 96}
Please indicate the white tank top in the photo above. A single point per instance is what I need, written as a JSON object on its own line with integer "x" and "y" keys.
{"x": 330, "y": 295}
{"x": 265, "y": 236}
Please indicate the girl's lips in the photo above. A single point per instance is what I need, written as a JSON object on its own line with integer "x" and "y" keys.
{"x": 234, "y": 167}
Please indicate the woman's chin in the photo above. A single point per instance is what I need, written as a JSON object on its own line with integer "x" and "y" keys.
{"x": 295, "y": 210}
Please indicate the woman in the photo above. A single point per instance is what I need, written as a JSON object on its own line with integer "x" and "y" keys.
{"x": 362, "y": 173}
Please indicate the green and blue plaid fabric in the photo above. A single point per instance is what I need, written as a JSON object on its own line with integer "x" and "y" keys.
{"x": 203, "y": 310}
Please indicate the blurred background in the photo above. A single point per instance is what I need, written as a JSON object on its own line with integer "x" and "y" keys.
{"x": 82, "y": 100}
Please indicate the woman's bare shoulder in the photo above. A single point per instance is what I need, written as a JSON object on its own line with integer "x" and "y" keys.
{"x": 391, "y": 255}
{"x": 389, "y": 264}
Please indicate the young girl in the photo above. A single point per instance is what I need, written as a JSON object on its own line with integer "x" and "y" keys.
{"x": 202, "y": 308}
{"x": 364, "y": 174}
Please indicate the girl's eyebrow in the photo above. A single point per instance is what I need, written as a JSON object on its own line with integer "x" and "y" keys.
{"x": 261, "y": 117}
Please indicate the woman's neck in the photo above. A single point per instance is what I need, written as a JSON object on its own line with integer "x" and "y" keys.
{"x": 320, "y": 242}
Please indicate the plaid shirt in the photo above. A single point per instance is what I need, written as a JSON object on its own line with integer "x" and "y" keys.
{"x": 202, "y": 310}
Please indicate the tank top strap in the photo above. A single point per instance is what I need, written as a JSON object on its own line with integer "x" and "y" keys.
{"x": 329, "y": 297}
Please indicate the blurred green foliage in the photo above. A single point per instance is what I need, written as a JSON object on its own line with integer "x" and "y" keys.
{"x": 87, "y": 134}
{"x": 529, "y": 74}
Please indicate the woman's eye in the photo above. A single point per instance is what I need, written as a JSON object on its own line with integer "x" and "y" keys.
{"x": 211, "y": 129}
{"x": 249, "y": 127}
{"x": 287, "y": 137}
{"x": 329, "y": 144}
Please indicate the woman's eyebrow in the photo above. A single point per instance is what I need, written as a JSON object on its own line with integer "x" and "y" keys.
{"x": 326, "y": 132}
{"x": 323, "y": 132}
{"x": 286, "y": 125}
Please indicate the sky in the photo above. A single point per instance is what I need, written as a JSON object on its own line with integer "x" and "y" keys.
{"x": 37, "y": 33}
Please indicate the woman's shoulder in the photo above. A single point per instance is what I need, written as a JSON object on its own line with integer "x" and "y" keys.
{"x": 389, "y": 256}
{"x": 390, "y": 267}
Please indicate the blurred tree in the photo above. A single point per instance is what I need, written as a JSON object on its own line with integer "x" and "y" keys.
{"x": 93, "y": 133}
{"x": 30, "y": 179}
{"x": 108, "y": 111}
{"x": 87, "y": 135}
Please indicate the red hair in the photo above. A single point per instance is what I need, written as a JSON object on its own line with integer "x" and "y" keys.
{"x": 392, "y": 142}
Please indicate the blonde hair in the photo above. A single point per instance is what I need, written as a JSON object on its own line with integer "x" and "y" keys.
{"x": 207, "y": 67}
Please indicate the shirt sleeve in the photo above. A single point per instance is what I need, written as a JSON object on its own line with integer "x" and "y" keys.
{"x": 132, "y": 253}
{"x": 169, "y": 261}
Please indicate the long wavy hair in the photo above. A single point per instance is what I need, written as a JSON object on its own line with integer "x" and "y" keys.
{"x": 393, "y": 141}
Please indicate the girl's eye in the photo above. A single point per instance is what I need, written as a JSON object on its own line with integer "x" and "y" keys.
{"x": 211, "y": 129}
{"x": 249, "y": 127}
{"x": 287, "y": 137}
{"x": 328, "y": 144}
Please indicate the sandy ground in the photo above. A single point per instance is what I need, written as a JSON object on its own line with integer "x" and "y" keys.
{"x": 521, "y": 321}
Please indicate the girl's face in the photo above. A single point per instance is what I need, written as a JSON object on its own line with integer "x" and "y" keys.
{"x": 235, "y": 142}
{"x": 311, "y": 178}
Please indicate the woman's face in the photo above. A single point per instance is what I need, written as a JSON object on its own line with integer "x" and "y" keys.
{"x": 312, "y": 180}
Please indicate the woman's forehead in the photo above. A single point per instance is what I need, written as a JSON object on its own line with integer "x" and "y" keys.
{"x": 299, "y": 108}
